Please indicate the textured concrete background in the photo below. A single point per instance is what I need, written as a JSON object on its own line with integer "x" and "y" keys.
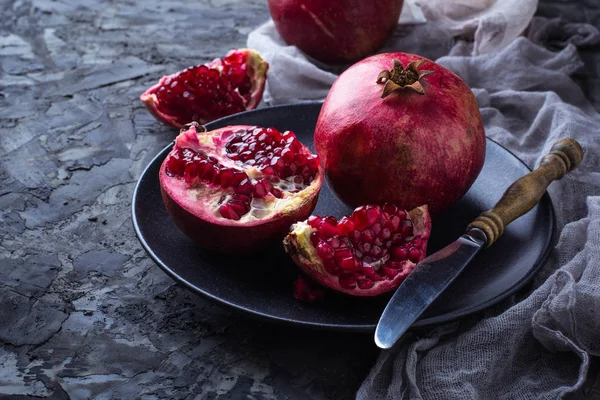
{"x": 84, "y": 313}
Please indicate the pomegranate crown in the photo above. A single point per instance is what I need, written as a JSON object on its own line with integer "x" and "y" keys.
{"x": 399, "y": 78}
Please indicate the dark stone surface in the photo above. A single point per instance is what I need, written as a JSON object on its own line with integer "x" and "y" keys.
{"x": 84, "y": 313}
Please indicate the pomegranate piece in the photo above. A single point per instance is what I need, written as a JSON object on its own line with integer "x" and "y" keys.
{"x": 336, "y": 31}
{"x": 374, "y": 258}
{"x": 416, "y": 135}
{"x": 224, "y": 191}
{"x": 210, "y": 91}
{"x": 308, "y": 291}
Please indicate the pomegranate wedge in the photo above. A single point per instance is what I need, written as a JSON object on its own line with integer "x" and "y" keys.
{"x": 365, "y": 254}
{"x": 210, "y": 91}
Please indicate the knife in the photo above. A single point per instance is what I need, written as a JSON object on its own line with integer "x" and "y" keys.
{"x": 437, "y": 271}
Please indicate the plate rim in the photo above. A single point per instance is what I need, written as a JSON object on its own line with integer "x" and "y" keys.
{"x": 447, "y": 317}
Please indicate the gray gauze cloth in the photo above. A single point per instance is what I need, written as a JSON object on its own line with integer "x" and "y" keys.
{"x": 538, "y": 345}
{"x": 535, "y": 345}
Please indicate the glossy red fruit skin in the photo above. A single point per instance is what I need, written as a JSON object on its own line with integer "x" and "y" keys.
{"x": 407, "y": 149}
{"x": 336, "y": 32}
{"x": 228, "y": 236}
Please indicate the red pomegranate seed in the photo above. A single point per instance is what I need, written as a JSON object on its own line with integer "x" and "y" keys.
{"x": 313, "y": 163}
{"x": 365, "y": 283}
{"x": 390, "y": 209}
{"x": 407, "y": 228}
{"x": 238, "y": 177}
{"x": 376, "y": 251}
{"x": 287, "y": 155}
{"x": 385, "y": 233}
{"x": 227, "y": 212}
{"x": 345, "y": 226}
{"x": 348, "y": 263}
{"x": 262, "y": 188}
{"x": 343, "y": 253}
{"x": 370, "y": 272}
{"x": 394, "y": 223}
{"x": 314, "y": 221}
{"x": 376, "y": 228}
{"x": 388, "y": 272}
{"x": 308, "y": 291}
{"x": 347, "y": 282}
{"x": 361, "y": 220}
{"x": 373, "y": 214}
{"x": 334, "y": 242}
{"x": 277, "y": 193}
{"x": 315, "y": 238}
{"x": 226, "y": 178}
{"x": 327, "y": 228}
{"x": 330, "y": 266}
{"x": 414, "y": 254}
{"x": 367, "y": 236}
{"x": 175, "y": 165}
{"x": 239, "y": 207}
{"x": 268, "y": 171}
{"x": 244, "y": 187}
{"x": 400, "y": 253}
{"x": 325, "y": 251}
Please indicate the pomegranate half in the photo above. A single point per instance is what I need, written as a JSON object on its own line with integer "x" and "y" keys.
{"x": 365, "y": 254}
{"x": 210, "y": 91}
{"x": 400, "y": 128}
{"x": 239, "y": 188}
{"x": 336, "y": 31}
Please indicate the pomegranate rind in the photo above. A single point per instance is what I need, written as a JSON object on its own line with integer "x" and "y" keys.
{"x": 334, "y": 32}
{"x": 257, "y": 72}
{"x": 407, "y": 149}
{"x": 298, "y": 245}
{"x": 223, "y": 235}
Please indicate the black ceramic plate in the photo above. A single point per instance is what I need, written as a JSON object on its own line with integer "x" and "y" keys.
{"x": 262, "y": 285}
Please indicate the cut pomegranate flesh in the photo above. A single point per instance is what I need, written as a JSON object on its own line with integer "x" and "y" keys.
{"x": 365, "y": 254}
{"x": 206, "y": 92}
{"x": 265, "y": 162}
{"x": 234, "y": 188}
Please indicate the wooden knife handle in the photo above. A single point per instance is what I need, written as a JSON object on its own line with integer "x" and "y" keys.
{"x": 527, "y": 191}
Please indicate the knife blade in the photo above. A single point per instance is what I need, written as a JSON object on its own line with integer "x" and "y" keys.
{"x": 424, "y": 284}
{"x": 437, "y": 271}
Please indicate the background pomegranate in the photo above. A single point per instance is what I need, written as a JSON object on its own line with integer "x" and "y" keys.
{"x": 336, "y": 31}
{"x": 365, "y": 254}
{"x": 210, "y": 91}
{"x": 408, "y": 136}
{"x": 239, "y": 188}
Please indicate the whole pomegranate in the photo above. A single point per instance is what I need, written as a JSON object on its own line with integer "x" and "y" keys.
{"x": 210, "y": 91}
{"x": 336, "y": 31}
{"x": 239, "y": 188}
{"x": 402, "y": 129}
{"x": 365, "y": 254}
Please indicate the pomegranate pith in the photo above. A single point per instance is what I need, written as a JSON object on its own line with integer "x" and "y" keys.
{"x": 234, "y": 203}
{"x": 210, "y": 91}
{"x": 365, "y": 254}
